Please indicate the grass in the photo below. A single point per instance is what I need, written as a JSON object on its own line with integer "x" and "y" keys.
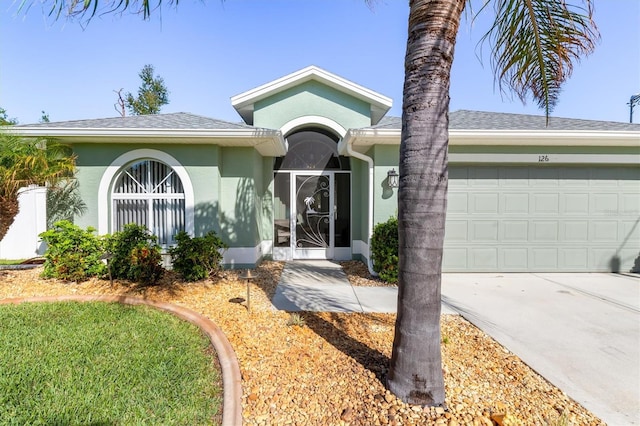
{"x": 72, "y": 363}
{"x": 11, "y": 261}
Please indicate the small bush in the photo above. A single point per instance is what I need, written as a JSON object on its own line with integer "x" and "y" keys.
{"x": 384, "y": 249}
{"x": 136, "y": 255}
{"x": 73, "y": 254}
{"x": 296, "y": 320}
{"x": 197, "y": 258}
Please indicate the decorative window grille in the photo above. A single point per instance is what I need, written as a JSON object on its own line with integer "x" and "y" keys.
{"x": 150, "y": 193}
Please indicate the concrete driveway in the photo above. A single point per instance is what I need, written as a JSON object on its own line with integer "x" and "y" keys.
{"x": 579, "y": 331}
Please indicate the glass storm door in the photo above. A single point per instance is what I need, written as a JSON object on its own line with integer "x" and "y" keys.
{"x": 313, "y": 211}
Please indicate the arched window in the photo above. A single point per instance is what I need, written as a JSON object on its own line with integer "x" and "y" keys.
{"x": 150, "y": 193}
{"x": 312, "y": 149}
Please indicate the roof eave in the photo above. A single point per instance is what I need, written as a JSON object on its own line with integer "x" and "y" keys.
{"x": 362, "y": 139}
{"x": 267, "y": 142}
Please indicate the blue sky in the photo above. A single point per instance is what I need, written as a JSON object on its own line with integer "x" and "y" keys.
{"x": 210, "y": 51}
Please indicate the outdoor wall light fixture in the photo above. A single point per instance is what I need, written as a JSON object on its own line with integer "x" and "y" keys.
{"x": 392, "y": 177}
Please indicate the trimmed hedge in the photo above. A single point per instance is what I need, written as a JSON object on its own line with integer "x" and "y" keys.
{"x": 384, "y": 249}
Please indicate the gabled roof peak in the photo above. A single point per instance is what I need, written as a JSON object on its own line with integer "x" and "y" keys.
{"x": 244, "y": 102}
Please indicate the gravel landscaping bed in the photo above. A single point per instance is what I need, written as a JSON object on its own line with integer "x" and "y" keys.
{"x": 331, "y": 369}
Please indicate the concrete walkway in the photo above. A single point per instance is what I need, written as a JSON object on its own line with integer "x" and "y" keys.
{"x": 579, "y": 331}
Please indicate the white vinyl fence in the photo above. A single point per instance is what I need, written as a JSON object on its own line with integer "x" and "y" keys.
{"x": 22, "y": 241}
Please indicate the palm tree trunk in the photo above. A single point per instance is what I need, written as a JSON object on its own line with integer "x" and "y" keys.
{"x": 415, "y": 374}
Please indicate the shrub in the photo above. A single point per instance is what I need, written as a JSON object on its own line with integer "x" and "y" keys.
{"x": 384, "y": 249}
{"x": 197, "y": 258}
{"x": 135, "y": 255}
{"x": 73, "y": 254}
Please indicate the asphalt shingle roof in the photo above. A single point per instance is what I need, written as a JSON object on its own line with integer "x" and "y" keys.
{"x": 481, "y": 120}
{"x": 178, "y": 120}
{"x": 458, "y": 120}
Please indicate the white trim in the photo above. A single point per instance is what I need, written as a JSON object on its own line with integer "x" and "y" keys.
{"x": 545, "y": 158}
{"x": 241, "y": 255}
{"x": 347, "y": 145}
{"x": 282, "y": 253}
{"x": 342, "y": 253}
{"x": 307, "y": 120}
{"x": 106, "y": 183}
{"x": 362, "y": 139}
{"x": 266, "y": 247}
{"x": 267, "y": 142}
{"x": 360, "y": 247}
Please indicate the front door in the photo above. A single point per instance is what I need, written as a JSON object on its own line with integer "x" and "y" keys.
{"x": 313, "y": 211}
{"x": 312, "y": 198}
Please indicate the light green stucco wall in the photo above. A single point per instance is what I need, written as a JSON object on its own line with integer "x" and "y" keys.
{"x": 245, "y": 198}
{"x": 311, "y": 98}
{"x": 232, "y": 187}
{"x": 200, "y": 162}
{"x": 385, "y": 158}
{"x": 359, "y": 200}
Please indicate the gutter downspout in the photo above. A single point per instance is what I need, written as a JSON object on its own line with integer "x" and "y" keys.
{"x": 369, "y": 161}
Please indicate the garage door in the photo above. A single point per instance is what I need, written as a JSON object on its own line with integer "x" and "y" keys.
{"x": 521, "y": 219}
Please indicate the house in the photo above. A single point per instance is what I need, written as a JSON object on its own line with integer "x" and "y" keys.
{"x": 306, "y": 176}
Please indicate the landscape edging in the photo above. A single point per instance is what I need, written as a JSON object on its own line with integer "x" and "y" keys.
{"x": 231, "y": 378}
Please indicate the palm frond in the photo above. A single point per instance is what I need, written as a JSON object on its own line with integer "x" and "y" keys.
{"x": 535, "y": 44}
{"x": 87, "y": 9}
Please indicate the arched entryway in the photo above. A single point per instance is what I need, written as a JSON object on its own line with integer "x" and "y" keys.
{"x": 312, "y": 198}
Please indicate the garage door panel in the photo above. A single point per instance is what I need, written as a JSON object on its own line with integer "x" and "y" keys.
{"x": 456, "y": 231}
{"x": 514, "y": 177}
{"x": 544, "y": 231}
{"x": 544, "y": 176}
{"x": 483, "y": 258}
{"x": 630, "y": 204}
{"x": 573, "y": 258}
{"x": 514, "y": 259}
{"x": 455, "y": 259}
{"x": 603, "y": 231}
{"x": 484, "y": 177}
{"x": 603, "y": 204}
{"x": 515, "y": 203}
{"x": 628, "y": 177}
{"x": 574, "y": 204}
{"x": 630, "y": 232}
{"x": 483, "y": 231}
{"x": 543, "y": 259}
{"x": 458, "y": 177}
{"x": 483, "y": 203}
{"x": 545, "y": 203}
{"x": 604, "y": 178}
{"x": 574, "y": 177}
{"x": 514, "y": 231}
{"x": 629, "y": 256}
{"x": 457, "y": 203}
{"x": 603, "y": 258}
{"x": 547, "y": 218}
{"x": 574, "y": 231}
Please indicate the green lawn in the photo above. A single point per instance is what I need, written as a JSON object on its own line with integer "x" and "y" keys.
{"x": 73, "y": 363}
{"x": 11, "y": 261}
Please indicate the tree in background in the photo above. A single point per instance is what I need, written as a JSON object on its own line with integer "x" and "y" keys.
{"x": 25, "y": 162}
{"x": 534, "y": 45}
{"x": 152, "y": 94}
{"x": 5, "y": 120}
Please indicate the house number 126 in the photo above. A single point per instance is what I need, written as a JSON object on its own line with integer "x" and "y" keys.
{"x": 543, "y": 158}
